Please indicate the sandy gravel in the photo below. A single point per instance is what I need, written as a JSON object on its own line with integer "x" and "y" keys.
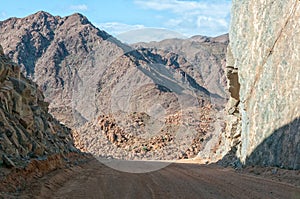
{"x": 178, "y": 180}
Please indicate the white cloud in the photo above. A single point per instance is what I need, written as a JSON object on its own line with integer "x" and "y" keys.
{"x": 3, "y": 15}
{"x": 182, "y": 6}
{"x": 116, "y": 28}
{"x": 175, "y": 22}
{"x": 81, "y": 7}
{"x": 205, "y": 21}
{"x": 209, "y": 17}
{"x": 174, "y": 5}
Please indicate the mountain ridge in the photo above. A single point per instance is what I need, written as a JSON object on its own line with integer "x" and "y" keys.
{"x": 205, "y": 54}
{"x": 85, "y": 73}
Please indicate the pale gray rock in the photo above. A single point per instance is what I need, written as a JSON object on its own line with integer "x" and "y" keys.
{"x": 264, "y": 42}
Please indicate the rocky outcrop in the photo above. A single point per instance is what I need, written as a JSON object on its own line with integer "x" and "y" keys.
{"x": 27, "y": 130}
{"x": 265, "y": 128}
{"x": 129, "y": 138}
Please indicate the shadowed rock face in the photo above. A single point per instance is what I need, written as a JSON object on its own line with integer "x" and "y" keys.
{"x": 205, "y": 55}
{"x": 85, "y": 74}
{"x": 281, "y": 149}
{"x": 265, "y": 127}
{"x": 27, "y": 130}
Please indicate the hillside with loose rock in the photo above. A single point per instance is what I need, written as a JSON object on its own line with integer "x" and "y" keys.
{"x": 89, "y": 78}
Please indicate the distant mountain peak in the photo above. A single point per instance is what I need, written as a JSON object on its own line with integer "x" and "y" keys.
{"x": 38, "y": 16}
{"x": 78, "y": 17}
{"x": 42, "y": 13}
{"x": 219, "y": 39}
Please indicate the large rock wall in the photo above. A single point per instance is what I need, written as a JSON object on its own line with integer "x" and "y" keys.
{"x": 264, "y": 41}
{"x": 27, "y": 130}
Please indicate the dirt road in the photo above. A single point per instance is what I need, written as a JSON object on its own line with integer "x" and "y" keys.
{"x": 95, "y": 180}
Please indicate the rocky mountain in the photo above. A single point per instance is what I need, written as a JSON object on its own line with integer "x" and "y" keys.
{"x": 263, "y": 125}
{"x": 86, "y": 75}
{"x": 205, "y": 55}
{"x": 47, "y": 48}
{"x": 27, "y": 130}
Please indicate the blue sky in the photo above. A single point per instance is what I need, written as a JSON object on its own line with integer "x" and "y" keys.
{"x": 188, "y": 17}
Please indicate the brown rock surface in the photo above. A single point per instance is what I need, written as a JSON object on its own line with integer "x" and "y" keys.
{"x": 27, "y": 130}
{"x": 110, "y": 137}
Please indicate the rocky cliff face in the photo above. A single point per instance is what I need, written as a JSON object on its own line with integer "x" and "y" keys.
{"x": 264, "y": 127}
{"x": 27, "y": 130}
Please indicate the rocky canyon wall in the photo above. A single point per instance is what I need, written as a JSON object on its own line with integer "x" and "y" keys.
{"x": 27, "y": 130}
{"x": 264, "y": 80}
